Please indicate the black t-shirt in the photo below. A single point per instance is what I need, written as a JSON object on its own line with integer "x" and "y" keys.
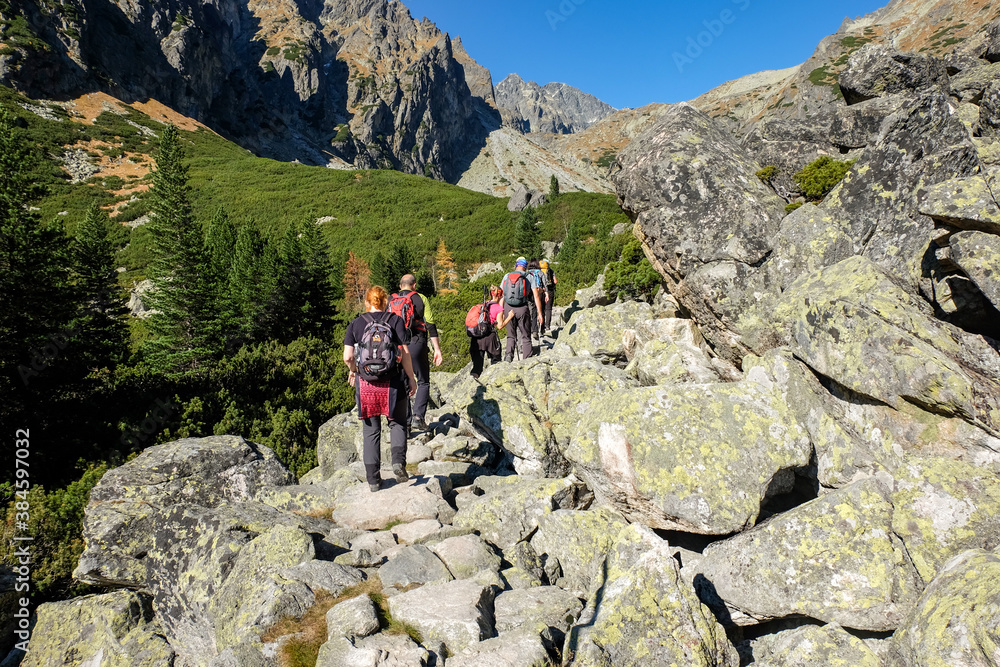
{"x": 356, "y": 330}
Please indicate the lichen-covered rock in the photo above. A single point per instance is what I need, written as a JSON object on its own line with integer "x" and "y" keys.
{"x": 511, "y": 507}
{"x": 335, "y": 448}
{"x": 597, "y": 332}
{"x": 571, "y": 545}
{"x": 125, "y": 507}
{"x": 416, "y": 531}
{"x": 360, "y": 508}
{"x": 696, "y": 458}
{"x": 532, "y": 407}
{"x": 829, "y": 645}
{"x": 515, "y": 649}
{"x": 300, "y": 498}
{"x": 955, "y": 621}
{"x": 458, "y": 613}
{"x": 989, "y": 109}
{"x": 642, "y": 613}
{"x": 669, "y": 351}
{"x": 112, "y": 630}
{"x": 942, "y": 508}
{"x": 413, "y": 565}
{"x": 835, "y": 559}
{"x": 789, "y": 145}
{"x": 468, "y": 557}
{"x": 857, "y": 126}
{"x": 464, "y": 449}
{"x": 536, "y": 608}
{"x": 978, "y": 255}
{"x": 966, "y": 202}
{"x": 876, "y": 70}
{"x": 969, "y": 84}
{"x": 856, "y": 326}
{"x": 373, "y": 651}
{"x": 351, "y": 618}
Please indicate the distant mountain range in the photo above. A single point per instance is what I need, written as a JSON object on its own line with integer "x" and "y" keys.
{"x": 362, "y": 84}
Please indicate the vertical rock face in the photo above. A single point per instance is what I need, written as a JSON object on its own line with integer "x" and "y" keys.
{"x": 358, "y": 80}
{"x": 554, "y": 108}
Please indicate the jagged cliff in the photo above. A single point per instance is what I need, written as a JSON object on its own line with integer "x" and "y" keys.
{"x": 355, "y": 81}
{"x": 555, "y": 108}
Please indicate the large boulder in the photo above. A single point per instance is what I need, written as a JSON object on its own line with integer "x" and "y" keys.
{"x": 966, "y": 203}
{"x": 853, "y": 324}
{"x": 597, "y": 332}
{"x": 572, "y": 543}
{"x": 697, "y": 203}
{"x": 970, "y": 83}
{"x": 876, "y": 70}
{"x": 812, "y": 645}
{"x": 536, "y": 608}
{"x": 509, "y": 508}
{"x": 121, "y": 518}
{"x": 416, "y": 565}
{"x": 955, "y": 621}
{"x": 858, "y": 125}
{"x": 531, "y": 408}
{"x": 978, "y": 255}
{"x": 695, "y": 458}
{"x": 376, "y": 650}
{"x": 642, "y": 613}
{"x": 788, "y": 145}
{"x": 335, "y": 446}
{"x": 989, "y": 109}
{"x": 418, "y": 499}
{"x": 457, "y": 614}
{"x": 112, "y": 630}
{"x": 835, "y": 559}
{"x": 942, "y": 508}
{"x": 514, "y": 649}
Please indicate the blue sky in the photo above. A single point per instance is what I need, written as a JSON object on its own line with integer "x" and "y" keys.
{"x": 632, "y": 53}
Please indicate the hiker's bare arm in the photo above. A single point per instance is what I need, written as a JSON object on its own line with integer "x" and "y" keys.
{"x": 408, "y": 367}
{"x": 436, "y": 344}
{"x": 349, "y": 360}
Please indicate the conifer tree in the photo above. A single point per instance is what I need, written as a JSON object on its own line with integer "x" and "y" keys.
{"x": 100, "y": 330}
{"x": 36, "y": 303}
{"x": 220, "y": 248}
{"x": 247, "y": 289}
{"x": 553, "y": 188}
{"x": 319, "y": 293}
{"x": 527, "y": 238}
{"x": 388, "y": 269}
{"x": 570, "y": 246}
{"x": 444, "y": 268}
{"x": 185, "y": 331}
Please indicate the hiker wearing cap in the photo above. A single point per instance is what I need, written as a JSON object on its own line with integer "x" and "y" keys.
{"x": 489, "y": 345}
{"x": 550, "y": 294}
{"x": 381, "y": 382}
{"x": 518, "y": 288}
{"x": 415, "y": 309}
{"x": 536, "y": 306}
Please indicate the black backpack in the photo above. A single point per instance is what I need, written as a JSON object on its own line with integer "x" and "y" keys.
{"x": 376, "y": 351}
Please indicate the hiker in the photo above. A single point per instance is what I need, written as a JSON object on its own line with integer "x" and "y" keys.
{"x": 517, "y": 290}
{"x": 380, "y": 377}
{"x": 536, "y": 307}
{"x": 489, "y": 345}
{"x": 415, "y": 309}
{"x": 550, "y": 294}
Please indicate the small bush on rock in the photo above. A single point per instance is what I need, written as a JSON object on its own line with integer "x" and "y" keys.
{"x": 633, "y": 277}
{"x": 820, "y": 176}
{"x": 767, "y": 173}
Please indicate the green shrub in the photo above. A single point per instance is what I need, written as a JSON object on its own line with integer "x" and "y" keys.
{"x": 767, "y": 173}
{"x": 632, "y": 277}
{"x": 820, "y": 176}
{"x": 792, "y": 206}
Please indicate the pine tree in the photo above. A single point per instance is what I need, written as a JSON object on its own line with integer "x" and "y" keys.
{"x": 387, "y": 270}
{"x": 185, "y": 331}
{"x": 36, "y": 302}
{"x": 100, "y": 329}
{"x": 247, "y": 289}
{"x": 319, "y": 293}
{"x": 357, "y": 280}
{"x": 444, "y": 269}
{"x": 527, "y": 238}
{"x": 220, "y": 249}
{"x": 570, "y": 246}
{"x": 553, "y": 188}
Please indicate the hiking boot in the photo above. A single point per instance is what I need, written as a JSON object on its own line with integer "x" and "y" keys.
{"x": 400, "y": 472}
{"x": 375, "y": 486}
{"x": 418, "y": 424}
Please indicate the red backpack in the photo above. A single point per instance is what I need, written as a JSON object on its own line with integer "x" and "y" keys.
{"x": 402, "y": 305}
{"x": 477, "y": 321}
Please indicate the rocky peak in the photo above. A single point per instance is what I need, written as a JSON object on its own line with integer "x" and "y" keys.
{"x": 554, "y": 108}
